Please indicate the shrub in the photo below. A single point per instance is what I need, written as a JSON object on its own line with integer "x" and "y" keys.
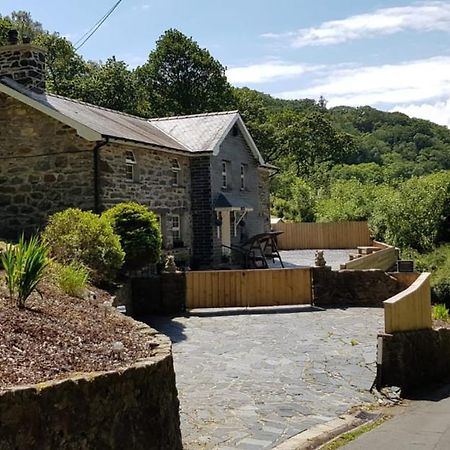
{"x": 139, "y": 232}
{"x": 82, "y": 237}
{"x": 72, "y": 278}
{"x": 440, "y": 312}
{"x": 24, "y": 264}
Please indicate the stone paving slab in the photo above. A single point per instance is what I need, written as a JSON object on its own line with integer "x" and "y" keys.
{"x": 251, "y": 381}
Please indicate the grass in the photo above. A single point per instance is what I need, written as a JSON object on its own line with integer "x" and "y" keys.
{"x": 346, "y": 438}
{"x": 440, "y": 312}
{"x": 72, "y": 279}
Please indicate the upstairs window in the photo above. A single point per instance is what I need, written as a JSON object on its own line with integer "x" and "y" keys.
{"x": 243, "y": 174}
{"x": 176, "y": 229}
{"x": 130, "y": 163}
{"x": 224, "y": 175}
{"x": 176, "y": 169}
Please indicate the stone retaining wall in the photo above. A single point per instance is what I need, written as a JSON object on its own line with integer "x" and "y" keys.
{"x": 412, "y": 359}
{"x": 133, "y": 408}
{"x": 353, "y": 287}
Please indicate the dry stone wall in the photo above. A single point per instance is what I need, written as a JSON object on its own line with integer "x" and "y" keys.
{"x": 44, "y": 167}
{"x": 133, "y": 408}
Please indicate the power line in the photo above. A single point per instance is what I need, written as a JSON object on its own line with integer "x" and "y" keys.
{"x": 86, "y": 36}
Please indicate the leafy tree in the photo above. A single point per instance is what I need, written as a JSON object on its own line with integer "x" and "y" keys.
{"x": 65, "y": 68}
{"x": 110, "y": 85}
{"x": 5, "y": 26}
{"x": 182, "y": 78}
{"x": 309, "y": 139}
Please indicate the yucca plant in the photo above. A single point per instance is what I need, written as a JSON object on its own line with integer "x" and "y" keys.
{"x": 24, "y": 264}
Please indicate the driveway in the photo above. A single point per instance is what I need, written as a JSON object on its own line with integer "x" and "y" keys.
{"x": 296, "y": 258}
{"x": 251, "y": 379}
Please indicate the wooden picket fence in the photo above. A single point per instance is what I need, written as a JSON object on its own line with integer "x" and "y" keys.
{"x": 410, "y": 309}
{"x": 244, "y": 288}
{"x": 312, "y": 235}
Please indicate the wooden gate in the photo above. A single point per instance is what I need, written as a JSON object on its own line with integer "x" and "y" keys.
{"x": 242, "y": 288}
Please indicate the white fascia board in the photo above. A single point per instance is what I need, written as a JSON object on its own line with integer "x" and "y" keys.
{"x": 82, "y": 130}
{"x": 247, "y": 136}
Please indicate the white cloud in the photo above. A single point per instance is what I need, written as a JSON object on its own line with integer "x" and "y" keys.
{"x": 424, "y": 16}
{"x": 394, "y": 84}
{"x": 266, "y": 72}
{"x": 438, "y": 112}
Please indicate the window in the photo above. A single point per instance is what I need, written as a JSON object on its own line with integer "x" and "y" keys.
{"x": 176, "y": 229}
{"x": 243, "y": 173}
{"x": 224, "y": 175}
{"x": 176, "y": 169}
{"x": 130, "y": 162}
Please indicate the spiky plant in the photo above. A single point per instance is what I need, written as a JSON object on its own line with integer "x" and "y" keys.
{"x": 25, "y": 265}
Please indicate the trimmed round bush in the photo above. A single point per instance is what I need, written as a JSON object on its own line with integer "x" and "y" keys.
{"x": 139, "y": 232}
{"x": 76, "y": 236}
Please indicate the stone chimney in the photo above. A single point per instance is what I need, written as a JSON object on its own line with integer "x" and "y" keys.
{"x": 23, "y": 62}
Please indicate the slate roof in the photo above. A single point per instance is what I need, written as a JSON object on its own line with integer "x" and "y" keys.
{"x": 105, "y": 121}
{"x": 199, "y": 132}
{"x": 191, "y": 134}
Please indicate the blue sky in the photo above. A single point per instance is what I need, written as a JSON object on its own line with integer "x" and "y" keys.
{"x": 394, "y": 55}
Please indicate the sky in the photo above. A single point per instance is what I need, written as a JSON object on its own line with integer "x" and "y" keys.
{"x": 391, "y": 54}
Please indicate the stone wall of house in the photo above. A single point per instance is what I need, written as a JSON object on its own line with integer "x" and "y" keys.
{"x": 353, "y": 287}
{"x": 264, "y": 196}
{"x": 235, "y": 151}
{"x": 135, "y": 407}
{"x": 44, "y": 167}
{"x": 25, "y": 64}
{"x": 202, "y": 214}
{"x": 152, "y": 186}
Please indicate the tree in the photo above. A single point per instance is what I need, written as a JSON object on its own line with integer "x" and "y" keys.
{"x": 309, "y": 139}
{"x": 182, "y": 78}
{"x": 65, "y": 68}
{"x": 25, "y": 25}
{"x": 5, "y": 26}
{"x": 110, "y": 85}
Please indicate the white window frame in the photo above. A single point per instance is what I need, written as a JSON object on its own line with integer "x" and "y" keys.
{"x": 224, "y": 175}
{"x": 130, "y": 163}
{"x": 176, "y": 169}
{"x": 176, "y": 229}
{"x": 243, "y": 176}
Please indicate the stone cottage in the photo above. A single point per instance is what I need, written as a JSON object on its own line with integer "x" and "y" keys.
{"x": 202, "y": 174}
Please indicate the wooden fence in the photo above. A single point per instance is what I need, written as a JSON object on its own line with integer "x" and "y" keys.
{"x": 313, "y": 235}
{"x": 411, "y": 308}
{"x": 383, "y": 259}
{"x": 242, "y": 288}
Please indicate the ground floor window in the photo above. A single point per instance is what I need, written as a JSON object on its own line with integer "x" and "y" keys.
{"x": 176, "y": 231}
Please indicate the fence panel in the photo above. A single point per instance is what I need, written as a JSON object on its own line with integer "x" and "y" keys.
{"x": 242, "y": 288}
{"x": 312, "y": 235}
{"x": 383, "y": 259}
{"x": 410, "y": 309}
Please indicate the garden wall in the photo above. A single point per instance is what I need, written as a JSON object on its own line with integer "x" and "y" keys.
{"x": 413, "y": 359}
{"x": 133, "y": 408}
{"x": 353, "y": 287}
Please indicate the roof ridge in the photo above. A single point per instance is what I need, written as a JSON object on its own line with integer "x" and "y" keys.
{"x": 187, "y": 116}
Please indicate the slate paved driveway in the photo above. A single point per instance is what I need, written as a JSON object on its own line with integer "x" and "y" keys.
{"x": 250, "y": 380}
{"x": 295, "y": 258}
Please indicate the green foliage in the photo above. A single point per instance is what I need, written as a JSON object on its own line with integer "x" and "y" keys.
{"x": 348, "y": 200}
{"x": 5, "y": 26}
{"x": 72, "y": 278}
{"x": 24, "y": 264}
{"x": 295, "y": 200}
{"x": 76, "y": 236}
{"x": 440, "y": 312}
{"x": 416, "y": 213}
{"x": 182, "y": 78}
{"x": 139, "y": 232}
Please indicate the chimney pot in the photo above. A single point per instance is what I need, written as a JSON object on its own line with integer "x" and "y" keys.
{"x": 13, "y": 37}
{"x": 26, "y": 40}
